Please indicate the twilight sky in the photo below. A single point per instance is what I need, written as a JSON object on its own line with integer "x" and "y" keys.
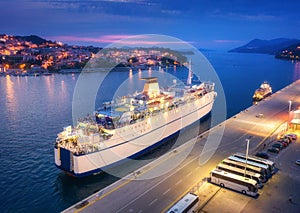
{"x": 210, "y": 24}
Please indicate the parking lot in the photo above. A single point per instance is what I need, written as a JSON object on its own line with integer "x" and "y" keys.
{"x": 286, "y": 183}
{"x": 273, "y": 197}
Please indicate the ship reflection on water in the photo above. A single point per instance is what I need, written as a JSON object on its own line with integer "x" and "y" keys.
{"x": 72, "y": 189}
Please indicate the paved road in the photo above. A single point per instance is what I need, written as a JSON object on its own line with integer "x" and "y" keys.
{"x": 139, "y": 193}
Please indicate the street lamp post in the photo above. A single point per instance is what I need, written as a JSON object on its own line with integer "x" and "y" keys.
{"x": 289, "y": 115}
{"x": 247, "y": 151}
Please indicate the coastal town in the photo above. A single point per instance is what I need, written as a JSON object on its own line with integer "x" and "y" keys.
{"x": 33, "y": 56}
{"x": 292, "y": 53}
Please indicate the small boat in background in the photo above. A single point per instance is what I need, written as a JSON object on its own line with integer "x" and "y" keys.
{"x": 263, "y": 91}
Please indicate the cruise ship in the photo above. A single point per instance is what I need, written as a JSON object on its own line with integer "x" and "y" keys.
{"x": 263, "y": 91}
{"x": 130, "y": 126}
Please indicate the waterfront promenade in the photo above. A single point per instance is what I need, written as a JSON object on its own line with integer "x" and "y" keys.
{"x": 261, "y": 123}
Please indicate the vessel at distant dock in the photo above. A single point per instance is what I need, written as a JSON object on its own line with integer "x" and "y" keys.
{"x": 263, "y": 91}
{"x": 132, "y": 125}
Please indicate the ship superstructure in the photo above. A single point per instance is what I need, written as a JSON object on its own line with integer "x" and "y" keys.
{"x": 130, "y": 126}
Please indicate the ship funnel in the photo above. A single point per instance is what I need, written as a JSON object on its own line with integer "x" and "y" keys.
{"x": 151, "y": 87}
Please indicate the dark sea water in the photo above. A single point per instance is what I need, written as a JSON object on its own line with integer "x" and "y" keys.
{"x": 34, "y": 109}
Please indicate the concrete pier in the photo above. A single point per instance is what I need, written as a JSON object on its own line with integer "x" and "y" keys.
{"x": 262, "y": 123}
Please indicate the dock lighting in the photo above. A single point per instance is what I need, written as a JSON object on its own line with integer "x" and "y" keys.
{"x": 247, "y": 151}
{"x": 289, "y": 115}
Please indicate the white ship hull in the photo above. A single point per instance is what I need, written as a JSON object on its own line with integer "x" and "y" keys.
{"x": 134, "y": 140}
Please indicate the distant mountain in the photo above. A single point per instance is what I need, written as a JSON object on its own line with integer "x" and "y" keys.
{"x": 266, "y": 46}
{"x": 34, "y": 39}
